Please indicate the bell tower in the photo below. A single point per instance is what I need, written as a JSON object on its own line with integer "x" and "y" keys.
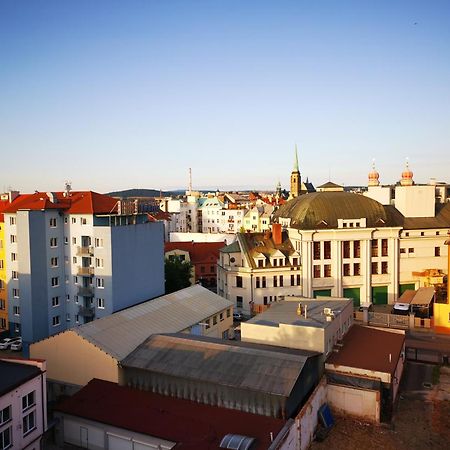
{"x": 296, "y": 179}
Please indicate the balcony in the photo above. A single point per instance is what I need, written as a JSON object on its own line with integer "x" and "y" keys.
{"x": 85, "y": 271}
{"x": 85, "y": 251}
{"x": 86, "y": 291}
{"x": 86, "y": 311}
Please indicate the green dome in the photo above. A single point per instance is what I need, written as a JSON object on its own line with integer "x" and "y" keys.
{"x": 323, "y": 209}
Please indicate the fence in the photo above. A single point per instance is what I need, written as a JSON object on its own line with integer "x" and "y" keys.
{"x": 392, "y": 320}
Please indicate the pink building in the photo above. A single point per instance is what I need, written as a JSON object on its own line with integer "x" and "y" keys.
{"x": 23, "y": 403}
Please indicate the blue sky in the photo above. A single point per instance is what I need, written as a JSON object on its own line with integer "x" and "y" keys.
{"x": 114, "y": 94}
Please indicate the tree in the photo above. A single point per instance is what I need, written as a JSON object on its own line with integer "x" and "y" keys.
{"x": 177, "y": 273}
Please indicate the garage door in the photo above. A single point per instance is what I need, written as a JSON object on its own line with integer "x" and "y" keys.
{"x": 322, "y": 293}
{"x": 353, "y": 293}
{"x": 379, "y": 295}
{"x": 119, "y": 443}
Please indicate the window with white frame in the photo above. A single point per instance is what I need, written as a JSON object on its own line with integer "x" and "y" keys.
{"x": 66, "y": 240}
{"x": 77, "y": 318}
{"x": 55, "y": 321}
{"x": 16, "y": 310}
{"x": 15, "y": 275}
{"x": 12, "y": 220}
{"x": 53, "y": 222}
{"x": 6, "y": 438}
{"x": 75, "y": 298}
{"x": 101, "y": 303}
{"x": 13, "y": 238}
{"x": 100, "y": 282}
{"x": 55, "y": 301}
{"x": 54, "y": 261}
{"x": 28, "y": 400}
{"x": 53, "y": 242}
{"x": 74, "y": 220}
{"x": 29, "y": 423}
{"x": 99, "y": 262}
{"x": 83, "y": 221}
{"x": 55, "y": 281}
{"x": 5, "y": 415}
{"x": 67, "y": 317}
{"x": 16, "y": 293}
{"x": 98, "y": 242}
{"x": 13, "y": 256}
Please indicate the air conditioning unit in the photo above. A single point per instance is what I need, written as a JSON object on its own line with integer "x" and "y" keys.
{"x": 327, "y": 311}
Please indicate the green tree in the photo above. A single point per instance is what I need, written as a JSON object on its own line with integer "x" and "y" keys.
{"x": 177, "y": 274}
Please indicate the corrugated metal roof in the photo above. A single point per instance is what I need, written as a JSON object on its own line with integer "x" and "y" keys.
{"x": 121, "y": 332}
{"x": 249, "y": 367}
{"x": 423, "y": 296}
{"x": 286, "y": 312}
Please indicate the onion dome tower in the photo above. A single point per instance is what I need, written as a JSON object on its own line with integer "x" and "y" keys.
{"x": 407, "y": 176}
{"x": 373, "y": 176}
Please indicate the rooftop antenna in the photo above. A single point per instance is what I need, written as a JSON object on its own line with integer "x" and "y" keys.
{"x": 190, "y": 180}
{"x": 67, "y": 188}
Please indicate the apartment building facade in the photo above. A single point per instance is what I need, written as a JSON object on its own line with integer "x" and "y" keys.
{"x": 72, "y": 258}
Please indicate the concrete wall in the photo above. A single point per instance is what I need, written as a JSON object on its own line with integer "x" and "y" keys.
{"x": 73, "y": 360}
{"x": 415, "y": 201}
{"x": 97, "y": 436}
{"x": 361, "y": 403}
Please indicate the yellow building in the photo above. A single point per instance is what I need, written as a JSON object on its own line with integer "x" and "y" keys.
{"x": 442, "y": 310}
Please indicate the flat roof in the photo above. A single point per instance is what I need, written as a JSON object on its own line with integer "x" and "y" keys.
{"x": 192, "y": 425}
{"x": 267, "y": 369}
{"x": 369, "y": 348}
{"x": 285, "y": 312}
{"x": 13, "y": 374}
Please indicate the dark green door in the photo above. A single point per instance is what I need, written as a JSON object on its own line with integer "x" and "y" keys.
{"x": 353, "y": 293}
{"x": 403, "y": 287}
{"x": 379, "y": 295}
{"x": 322, "y": 293}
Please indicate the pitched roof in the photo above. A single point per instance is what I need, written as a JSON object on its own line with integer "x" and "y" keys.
{"x": 83, "y": 202}
{"x": 369, "y": 348}
{"x": 120, "y": 333}
{"x": 241, "y": 365}
{"x": 192, "y": 425}
{"x": 200, "y": 252}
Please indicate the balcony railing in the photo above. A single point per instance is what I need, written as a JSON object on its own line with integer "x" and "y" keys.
{"x": 86, "y": 311}
{"x": 85, "y": 271}
{"x": 86, "y": 291}
{"x": 88, "y": 251}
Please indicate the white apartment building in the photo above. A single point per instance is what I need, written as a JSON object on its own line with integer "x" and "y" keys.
{"x": 23, "y": 404}
{"x": 72, "y": 259}
{"x": 258, "y": 218}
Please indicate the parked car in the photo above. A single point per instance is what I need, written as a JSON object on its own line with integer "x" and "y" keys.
{"x": 17, "y": 345}
{"x": 401, "y": 309}
{"x": 237, "y": 316}
{"x": 7, "y": 342}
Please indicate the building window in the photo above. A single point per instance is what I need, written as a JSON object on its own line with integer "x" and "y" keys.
{"x": 275, "y": 261}
{"x": 410, "y": 250}
{"x": 55, "y": 281}
{"x": 228, "y": 312}
{"x": 13, "y": 256}
{"x": 16, "y": 293}
{"x": 53, "y": 242}
{"x": 67, "y": 317}
{"x": 99, "y": 262}
{"x": 207, "y": 324}
{"x": 13, "y": 238}
{"x": 74, "y": 241}
{"x": 356, "y": 269}
{"x": 12, "y": 220}
{"x": 316, "y": 250}
{"x": 374, "y": 268}
{"x": 28, "y": 400}
{"x": 327, "y": 270}
{"x": 292, "y": 280}
{"x": 403, "y": 250}
{"x": 316, "y": 271}
{"x": 437, "y": 251}
{"x": 281, "y": 281}
{"x": 374, "y": 247}
{"x": 29, "y": 422}
{"x": 221, "y": 317}
{"x": 55, "y": 301}
{"x": 298, "y": 280}
{"x": 258, "y": 283}
{"x": 55, "y": 321}
{"x": 327, "y": 250}
{"x": 214, "y": 320}
{"x": 384, "y": 267}
{"x": 346, "y": 249}
{"x": 5, "y": 438}
{"x": 260, "y": 263}
{"x": 264, "y": 282}
{"x": 2, "y": 305}
{"x": 74, "y": 259}
{"x": 238, "y": 281}
{"x": 53, "y": 222}
{"x": 5, "y": 415}
{"x": 239, "y": 301}
{"x": 346, "y": 270}
{"x": 66, "y": 219}
{"x": 83, "y": 221}
{"x": 356, "y": 249}
{"x": 74, "y": 220}
{"x": 101, "y": 303}
{"x": 265, "y": 300}
{"x": 275, "y": 281}
{"x": 66, "y": 240}
{"x": 16, "y": 310}
{"x": 15, "y": 275}
{"x": 384, "y": 247}
{"x": 54, "y": 261}
{"x": 98, "y": 242}
{"x": 77, "y": 318}
{"x": 100, "y": 282}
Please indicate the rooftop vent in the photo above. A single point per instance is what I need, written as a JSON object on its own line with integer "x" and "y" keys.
{"x": 327, "y": 311}
{"x": 236, "y": 442}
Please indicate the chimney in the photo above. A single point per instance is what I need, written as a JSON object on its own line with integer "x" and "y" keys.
{"x": 276, "y": 233}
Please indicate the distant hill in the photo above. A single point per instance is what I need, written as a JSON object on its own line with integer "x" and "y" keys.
{"x": 143, "y": 193}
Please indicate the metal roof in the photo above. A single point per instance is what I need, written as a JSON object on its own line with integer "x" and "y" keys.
{"x": 121, "y": 332}
{"x": 285, "y": 312}
{"x": 423, "y": 296}
{"x": 323, "y": 209}
{"x": 231, "y": 363}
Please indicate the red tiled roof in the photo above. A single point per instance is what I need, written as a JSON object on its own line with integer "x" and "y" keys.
{"x": 200, "y": 252}
{"x": 192, "y": 425}
{"x": 84, "y": 202}
{"x": 369, "y": 348}
{"x": 160, "y": 215}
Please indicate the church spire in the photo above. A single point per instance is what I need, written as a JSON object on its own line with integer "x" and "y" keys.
{"x": 296, "y": 180}
{"x": 295, "y": 160}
